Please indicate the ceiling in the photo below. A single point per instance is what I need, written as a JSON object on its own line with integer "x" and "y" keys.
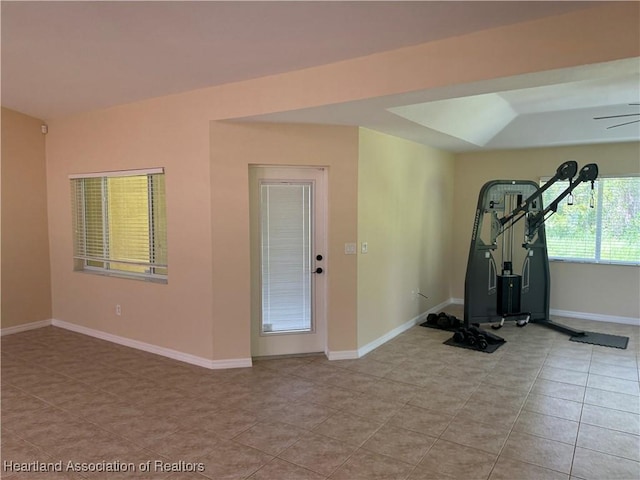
{"x": 61, "y": 58}
{"x": 551, "y": 108}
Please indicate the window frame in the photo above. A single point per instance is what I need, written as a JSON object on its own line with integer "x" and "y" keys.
{"x": 596, "y": 260}
{"x": 82, "y": 261}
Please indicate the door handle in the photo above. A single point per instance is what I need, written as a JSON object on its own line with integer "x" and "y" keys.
{"x": 318, "y": 270}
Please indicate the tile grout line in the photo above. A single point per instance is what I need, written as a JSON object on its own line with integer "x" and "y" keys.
{"x": 521, "y": 409}
{"x": 386, "y": 421}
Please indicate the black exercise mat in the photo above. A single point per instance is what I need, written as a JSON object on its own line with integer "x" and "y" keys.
{"x": 492, "y": 347}
{"x": 602, "y": 339}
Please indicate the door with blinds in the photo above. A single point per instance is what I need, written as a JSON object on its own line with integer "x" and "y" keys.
{"x": 288, "y": 260}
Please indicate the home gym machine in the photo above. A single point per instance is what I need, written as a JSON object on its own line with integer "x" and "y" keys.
{"x": 490, "y": 295}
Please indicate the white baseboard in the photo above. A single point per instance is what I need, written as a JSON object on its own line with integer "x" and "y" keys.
{"x": 246, "y": 362}
{"x": 596, "y": 317}
{"x": 362, "y": 351}
{"x": 231, "y": 363}
{"x": 369, "y": 347}
{"x": 342, "y": 355}
{"x": 147, "y": 347}
{"x": 581, "y": 315}
{"x": 24, "y": 327}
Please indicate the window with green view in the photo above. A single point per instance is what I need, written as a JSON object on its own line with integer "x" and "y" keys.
{"x": 608, "y": 232}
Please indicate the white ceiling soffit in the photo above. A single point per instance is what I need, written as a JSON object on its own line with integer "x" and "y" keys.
{"x": 547, "y": 115}
{"x": 616, "y": 88}
{"x": 475, "y": 119}
{"x": 550, "y": 108}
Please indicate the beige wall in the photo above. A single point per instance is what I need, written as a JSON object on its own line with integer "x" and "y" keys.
{"x": 235, "y": 146}
{"x": 177, "y": 315}
{"x": 405, "y": 206}
{"x": 194, "y": 313}
{"x": 601, "y": 289}
{"x": 26, "y": 279}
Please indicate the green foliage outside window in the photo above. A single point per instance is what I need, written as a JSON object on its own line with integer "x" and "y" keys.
{"x": 607, "y": 233}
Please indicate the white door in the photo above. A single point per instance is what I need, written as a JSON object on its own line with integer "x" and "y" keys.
{"x": 288, "y": 260}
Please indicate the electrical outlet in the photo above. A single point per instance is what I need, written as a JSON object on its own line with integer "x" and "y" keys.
{"x": 118, "y": 310}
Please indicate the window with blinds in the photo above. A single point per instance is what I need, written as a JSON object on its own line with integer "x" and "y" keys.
{"x": 286, "y": 257}
{"x": 600, "y": 226}
{"x": 120, "y": 223}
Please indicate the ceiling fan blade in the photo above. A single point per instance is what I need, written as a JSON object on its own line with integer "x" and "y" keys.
{"x": 621, "y": 124}
{"x": 616, "y": 116}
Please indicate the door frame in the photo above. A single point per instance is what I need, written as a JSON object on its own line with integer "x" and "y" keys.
{"x": 319, "y": 283}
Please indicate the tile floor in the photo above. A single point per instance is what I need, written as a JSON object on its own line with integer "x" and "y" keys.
{"x": 541, "y": 407}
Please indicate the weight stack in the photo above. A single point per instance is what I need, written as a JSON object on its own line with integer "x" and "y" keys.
{"x": 509, "y": 289}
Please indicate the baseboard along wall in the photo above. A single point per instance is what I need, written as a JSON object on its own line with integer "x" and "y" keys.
{"x": 597, "y": 317}
{"x": 246, "y": 362}
{"x": 24, "y": 327}
{"x": 127, "y": 342}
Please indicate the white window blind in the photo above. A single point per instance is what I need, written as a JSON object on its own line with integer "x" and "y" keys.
{"x": 286, "y": 257}
{"x": 119, "y": 223}
{"x": 607, "y": 233}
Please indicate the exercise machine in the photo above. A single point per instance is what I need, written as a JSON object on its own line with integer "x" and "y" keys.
{"x": 491, "y": 295}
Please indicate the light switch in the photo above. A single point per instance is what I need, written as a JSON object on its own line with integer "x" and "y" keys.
{"x": 349, "y": 248}
{"x": 364, "y": 247}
